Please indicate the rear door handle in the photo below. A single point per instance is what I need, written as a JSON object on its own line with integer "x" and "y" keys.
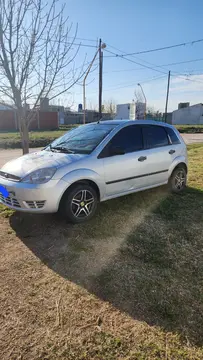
{"x": 142, "y": 158}
{"x": 171, "y": 152}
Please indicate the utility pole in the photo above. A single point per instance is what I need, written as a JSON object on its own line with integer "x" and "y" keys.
{"x": 84, "y": 81}
{"x": 167, "y": 93}
{"x": 101, "y": 46}
{"x": 100, "y": 77}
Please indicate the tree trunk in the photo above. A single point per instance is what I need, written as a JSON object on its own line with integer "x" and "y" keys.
{"x": 23, "y": 127}
{"x": 24, "y": 138}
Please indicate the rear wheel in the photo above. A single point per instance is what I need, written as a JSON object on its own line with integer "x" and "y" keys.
{"x": 80, "y": 203}
{"x": 178, "y": 180}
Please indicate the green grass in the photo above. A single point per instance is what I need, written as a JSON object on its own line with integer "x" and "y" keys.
{"x": 11, "y": 140}
{"x": 162, "y": 258}
{"x": 37, "y": 138}
{"x": 190, "y": 128}
{"x": 138, "y": 264}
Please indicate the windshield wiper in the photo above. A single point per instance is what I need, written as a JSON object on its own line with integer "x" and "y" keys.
{"x": 61, "y": 148}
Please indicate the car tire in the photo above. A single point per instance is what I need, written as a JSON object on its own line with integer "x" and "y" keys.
{"x": 178, "y": 180}
{"x": 79, "y": 204}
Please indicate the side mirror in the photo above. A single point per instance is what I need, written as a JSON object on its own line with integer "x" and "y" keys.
{"x": 116, "y": 150}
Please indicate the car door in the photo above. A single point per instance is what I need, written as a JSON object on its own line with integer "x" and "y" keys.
{"x": 158, "y": 151}
{"x": 123, "y": 171}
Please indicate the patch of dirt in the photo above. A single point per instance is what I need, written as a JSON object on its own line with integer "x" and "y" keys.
{"x": 65, "y": 290}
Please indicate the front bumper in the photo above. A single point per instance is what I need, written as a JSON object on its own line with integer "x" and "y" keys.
{"x": 33, "y": 198}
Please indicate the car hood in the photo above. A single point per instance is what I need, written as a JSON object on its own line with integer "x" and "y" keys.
{"x": 38, "y": 160}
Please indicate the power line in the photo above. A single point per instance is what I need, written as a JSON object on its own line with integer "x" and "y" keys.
{"x": 183, "y": 62}
{"x": 187, "y": 79}
{"x": 78, "y": 38}
{"x": 135, "y": 62}
{"x": 155, "y": 78}
{"x": 190, "y": 72}
{"x": 122, "y": 70}
{"x": 71, "y": 43}
{"x": 171, "y": 64}
{"x": 80, "y": 44}
{"x": 135, "y": 82}
{"x": 128, "y": 84}
{"x": 123, "y": 56}
{"x": 162, "y": 67}
{"x": 156, "y": 49}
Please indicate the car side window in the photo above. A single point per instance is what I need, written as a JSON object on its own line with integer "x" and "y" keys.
{"x": 154, "y": 136}
{"x": 173, "y": 137}
{"x": 129, "y": 139}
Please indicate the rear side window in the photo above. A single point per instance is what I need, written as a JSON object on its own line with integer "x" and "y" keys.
{"x": 173, "y": 136}
{"x": 154, "y": 136}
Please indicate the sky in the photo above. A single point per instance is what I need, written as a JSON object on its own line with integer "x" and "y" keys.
{"x": 133, "y": 26}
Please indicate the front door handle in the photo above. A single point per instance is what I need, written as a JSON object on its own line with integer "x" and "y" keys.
{"x": 142, "y": 158}
{"x": 171, "y": 152}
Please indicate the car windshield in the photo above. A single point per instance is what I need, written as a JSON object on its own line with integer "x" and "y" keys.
{"x": 82, "y": 140}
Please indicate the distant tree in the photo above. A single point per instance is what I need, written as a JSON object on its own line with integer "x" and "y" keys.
{"x": 109, "y": 107}
{"x": 36, "y": 56}
{"x": 139, "y": 96}
{"x": 151, "y": 113}
{"x": 92, "y": 106}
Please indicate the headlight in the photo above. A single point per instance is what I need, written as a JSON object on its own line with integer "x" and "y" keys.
{"x": 40, "y": 176}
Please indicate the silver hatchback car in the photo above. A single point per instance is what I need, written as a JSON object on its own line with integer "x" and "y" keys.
{"x": 92, "y": 163}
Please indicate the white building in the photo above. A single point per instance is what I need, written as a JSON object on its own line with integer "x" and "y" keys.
{"x": 125, "y": 111}
{"x": 190, "y": 115}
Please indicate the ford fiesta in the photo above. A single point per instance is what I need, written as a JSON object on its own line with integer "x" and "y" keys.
{"x": 94, "y": 163}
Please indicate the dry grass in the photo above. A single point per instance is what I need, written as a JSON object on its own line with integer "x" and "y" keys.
{"x": 127, "y": 285}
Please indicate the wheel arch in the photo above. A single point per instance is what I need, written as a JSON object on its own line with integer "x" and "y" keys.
{"x": 178, "y": 162}
{"x": 179, "y": 165}
{"x": 79, "y": 182}
{"x": 177, "y": 188}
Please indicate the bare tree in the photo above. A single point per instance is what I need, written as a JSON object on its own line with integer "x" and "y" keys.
{"x": 92, "y": 106}
{"x": 109, "y": 107}
{"x": 152, "y": 113}
{"x": 36, "y": 56}
{"x": 139, "y": 96}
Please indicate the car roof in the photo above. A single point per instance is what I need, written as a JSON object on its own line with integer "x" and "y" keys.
{"x": 132, "y": 122}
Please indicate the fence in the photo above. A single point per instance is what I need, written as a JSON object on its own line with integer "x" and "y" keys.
{"x": 41, "y": 120}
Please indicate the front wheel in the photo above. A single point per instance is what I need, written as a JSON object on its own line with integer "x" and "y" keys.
{"x": 80, "y": 203}
{"x": 178, "y": 180}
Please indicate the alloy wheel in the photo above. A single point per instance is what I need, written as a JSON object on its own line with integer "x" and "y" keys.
{"x": 82, "y": 204}
{"x": 180, "y": 180}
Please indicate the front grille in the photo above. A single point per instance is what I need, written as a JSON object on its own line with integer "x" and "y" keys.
{"x": 9, "y": 176}
{"x": 9, "y": 201}
{"x": 35, "y": 204}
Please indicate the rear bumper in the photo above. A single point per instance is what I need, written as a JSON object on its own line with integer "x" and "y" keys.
{"x": 33, "y": 198}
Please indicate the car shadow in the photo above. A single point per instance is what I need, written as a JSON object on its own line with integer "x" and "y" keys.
{"x": 142, "y": 253}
